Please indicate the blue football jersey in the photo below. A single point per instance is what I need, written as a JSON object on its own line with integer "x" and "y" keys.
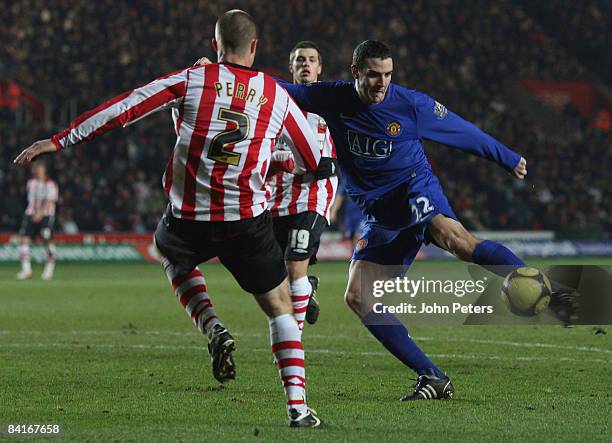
{"x": 380, "y": 146}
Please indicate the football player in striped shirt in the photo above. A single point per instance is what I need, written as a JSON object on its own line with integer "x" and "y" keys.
{"x": 227, "y": 118}
{"x": 38, "y": 220}
{"x": 301, "y": 205}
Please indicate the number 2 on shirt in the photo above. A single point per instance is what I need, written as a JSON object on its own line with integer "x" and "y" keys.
{"x": 240, "y": 132}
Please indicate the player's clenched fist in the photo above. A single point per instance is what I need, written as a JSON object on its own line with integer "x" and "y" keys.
{"x": 520, "y": 171}
{"x": 38, "y": 148}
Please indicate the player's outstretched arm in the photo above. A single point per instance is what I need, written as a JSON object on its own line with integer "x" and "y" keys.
{"x": 122, "y": 110}
{"x": 435, "y": 122}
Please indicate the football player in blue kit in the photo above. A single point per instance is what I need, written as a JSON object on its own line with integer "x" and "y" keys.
{"x": 378, "y": 128}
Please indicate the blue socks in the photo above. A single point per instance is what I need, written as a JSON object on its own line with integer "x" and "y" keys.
{"x": 392, "y": 334}
{"x": 388, "y": 330}
{"x": 496, "y": 258}
{"x": 500, "y": 260}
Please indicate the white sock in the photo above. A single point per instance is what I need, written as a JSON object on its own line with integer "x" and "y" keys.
{"x": 24, "y": 254}
{"x": 285, "y": 338}
{"x": 300, "y": 293}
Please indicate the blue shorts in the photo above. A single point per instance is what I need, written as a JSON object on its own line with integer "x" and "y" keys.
{"x": 398, "y": 222}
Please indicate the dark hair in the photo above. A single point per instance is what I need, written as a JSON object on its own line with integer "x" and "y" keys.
{"x": 305, "y": 44}
{"x": 370, "y": 49}
{"x": 235, "y": 30}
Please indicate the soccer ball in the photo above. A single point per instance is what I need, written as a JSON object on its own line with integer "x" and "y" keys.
{"x": 526, "y": 291}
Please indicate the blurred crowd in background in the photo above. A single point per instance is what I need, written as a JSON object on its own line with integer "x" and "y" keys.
{"x": 72, "y": 55}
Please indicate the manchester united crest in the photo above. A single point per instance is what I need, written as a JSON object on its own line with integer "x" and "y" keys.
{"x": 393, "y": 129}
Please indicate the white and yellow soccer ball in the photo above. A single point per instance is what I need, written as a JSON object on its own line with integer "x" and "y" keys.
{"x": 526, "y": 291}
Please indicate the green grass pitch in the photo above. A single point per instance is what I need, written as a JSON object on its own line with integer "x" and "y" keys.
{"x": 106, "y": 352}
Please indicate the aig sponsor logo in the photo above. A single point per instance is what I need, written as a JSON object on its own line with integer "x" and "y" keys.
{"x": 365, "y": 146}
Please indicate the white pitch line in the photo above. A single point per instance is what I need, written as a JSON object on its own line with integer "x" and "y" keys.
{"x": 308, "y": 351}
{"x": 520, "y": 344}
{"x": 100, "y": 346}
{"x": 315, "y": 336}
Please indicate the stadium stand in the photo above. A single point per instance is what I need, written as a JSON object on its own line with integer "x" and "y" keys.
{"x": 75, "y": 55}
{"x": 590, "y": 43}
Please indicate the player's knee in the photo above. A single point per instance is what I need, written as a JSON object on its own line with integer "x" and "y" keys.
{"x": 277, "y": 301}
{"x": 352, "y": 297}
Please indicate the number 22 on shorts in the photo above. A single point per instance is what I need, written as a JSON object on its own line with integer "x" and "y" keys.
{"x": 421, "y": 208}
